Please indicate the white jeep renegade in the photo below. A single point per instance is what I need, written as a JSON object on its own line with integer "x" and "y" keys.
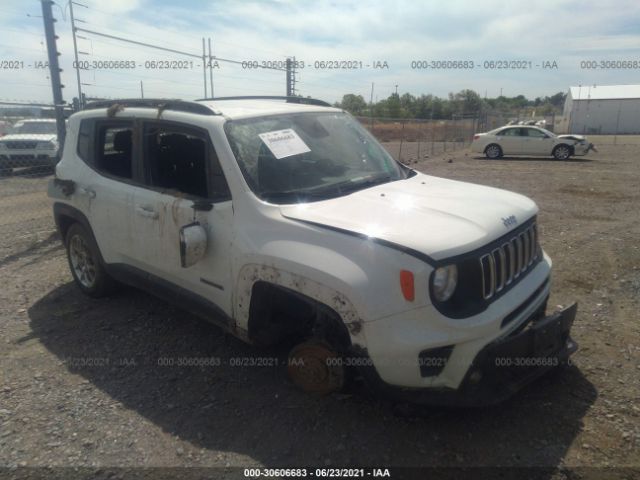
{"x": 282, "y": 219}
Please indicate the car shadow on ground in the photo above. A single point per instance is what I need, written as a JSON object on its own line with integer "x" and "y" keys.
{"x": 537, "y": 159}
{"x": 254, "y": 411}
{"x": 38, "y": 250}
{"x": 38, "y": 171}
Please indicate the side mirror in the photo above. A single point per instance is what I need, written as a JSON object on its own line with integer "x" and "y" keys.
{"x": 193, "y": 244}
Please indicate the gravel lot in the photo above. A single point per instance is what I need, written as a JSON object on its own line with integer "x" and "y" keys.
{"x": 82, "y": 381}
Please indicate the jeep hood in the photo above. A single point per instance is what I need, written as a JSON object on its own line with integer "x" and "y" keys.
{"x": 435, "y": 216}
{"x": 29, "y": 137}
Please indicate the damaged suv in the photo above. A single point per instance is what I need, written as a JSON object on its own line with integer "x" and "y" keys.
{"x": 284, "y": 221}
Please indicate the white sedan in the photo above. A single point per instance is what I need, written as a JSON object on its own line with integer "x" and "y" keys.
{"x": 529, "y": 140}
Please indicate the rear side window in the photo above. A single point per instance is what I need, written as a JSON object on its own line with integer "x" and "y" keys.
{"x": 511, "y": 132}
{"x": 532, "y": 132}
{"x": 114, "y": 154}
{"x": 85, "y": 140}
{"x": 180, "y": 159}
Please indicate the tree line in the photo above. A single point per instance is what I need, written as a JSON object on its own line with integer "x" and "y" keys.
{"x": 464, "y": 103}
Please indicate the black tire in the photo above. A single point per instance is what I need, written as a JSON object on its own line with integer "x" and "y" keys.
{"x": 85, "y": 263}
{"x": 562, "y": 152}
{"x": 493, "y": 151}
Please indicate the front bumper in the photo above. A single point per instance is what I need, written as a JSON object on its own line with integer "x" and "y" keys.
{"x": 499, "y": 370}
{"x": 583, "y": 149}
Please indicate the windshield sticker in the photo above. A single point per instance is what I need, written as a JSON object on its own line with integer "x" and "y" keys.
{"x": 284, "y": 143}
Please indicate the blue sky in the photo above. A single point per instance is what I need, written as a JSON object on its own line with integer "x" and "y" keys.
{"x": 396, "y": 32}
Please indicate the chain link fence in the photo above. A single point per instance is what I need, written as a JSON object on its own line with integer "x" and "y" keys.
{"x": 28, "y": 153}
{"x": 410, "y": 140}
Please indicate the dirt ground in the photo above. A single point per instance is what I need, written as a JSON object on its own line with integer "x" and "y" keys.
{"x": 85, "y": 383}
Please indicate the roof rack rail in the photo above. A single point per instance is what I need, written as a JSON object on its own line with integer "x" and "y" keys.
{"x": 288, "y": 99}
{"x": 160, "y": 103}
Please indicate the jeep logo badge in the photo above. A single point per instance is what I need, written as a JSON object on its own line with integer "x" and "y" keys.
{"x": 509, "y": 221}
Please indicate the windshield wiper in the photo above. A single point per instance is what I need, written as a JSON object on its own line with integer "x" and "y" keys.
{"x": 297, "y": 195}
{"x": 360, "y": 183}
{"x": 330, "y": 191}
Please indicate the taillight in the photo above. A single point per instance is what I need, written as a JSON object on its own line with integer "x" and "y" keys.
{"x": 475, "y": 137}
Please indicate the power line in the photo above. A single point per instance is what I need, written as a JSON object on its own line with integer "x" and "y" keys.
{"x": 280, "y": 54}
{"x": 115, "y": 37}
{"x": 148, "y": 45}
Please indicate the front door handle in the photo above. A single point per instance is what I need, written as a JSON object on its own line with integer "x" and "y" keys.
{"x": 147, "y": 212}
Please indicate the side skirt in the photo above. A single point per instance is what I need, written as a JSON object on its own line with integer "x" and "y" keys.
{"x": 175, "y": 295}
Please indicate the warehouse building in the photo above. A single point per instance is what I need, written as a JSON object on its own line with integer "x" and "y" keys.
{"x": 602, "y": 109}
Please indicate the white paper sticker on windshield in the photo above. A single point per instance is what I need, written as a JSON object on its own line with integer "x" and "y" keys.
{"x": 284, "y": 143}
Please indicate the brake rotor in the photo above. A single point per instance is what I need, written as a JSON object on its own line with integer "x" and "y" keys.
{"x": 315, "y": 368}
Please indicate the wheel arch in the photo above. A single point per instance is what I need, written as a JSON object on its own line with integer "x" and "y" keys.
{"x": 267, "y": 297}
{"x": 65, "y": 215}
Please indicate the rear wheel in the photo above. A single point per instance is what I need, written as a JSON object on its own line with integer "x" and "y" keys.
{"x": 562, "y": 152}
{"x": 85, "y": 263}
{"x": 315, "y": 368}
{"x": 493, "y": 151}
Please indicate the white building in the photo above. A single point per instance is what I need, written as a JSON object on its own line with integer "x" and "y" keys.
{"x": 602, "y": 109}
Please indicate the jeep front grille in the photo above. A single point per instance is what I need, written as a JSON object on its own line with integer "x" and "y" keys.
{"x": 20, "y": 145}
{"x": 507, "y": 262}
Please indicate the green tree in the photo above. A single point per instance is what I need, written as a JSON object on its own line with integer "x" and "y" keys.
{"x": 393, "y": 106}
{"x": 353, "y": 104}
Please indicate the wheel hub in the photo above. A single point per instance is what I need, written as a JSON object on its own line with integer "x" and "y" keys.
{"x": 315, "y": 368}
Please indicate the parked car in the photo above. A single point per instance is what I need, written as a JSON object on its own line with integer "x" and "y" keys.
{"x": 529, "y": 140}
{"x": 286, "y": 223}
{"x": 32, "y": 143}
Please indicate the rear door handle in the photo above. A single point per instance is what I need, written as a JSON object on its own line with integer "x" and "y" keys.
{"x": 145, "y": 211}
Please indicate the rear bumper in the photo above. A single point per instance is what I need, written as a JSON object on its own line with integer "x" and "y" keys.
{"x": 499, "y": 370}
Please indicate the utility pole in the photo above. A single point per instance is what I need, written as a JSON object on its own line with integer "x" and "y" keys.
{"x": 54, "y": 68}
{"x": 210, "y": 68}
{"x": 396, "y": 90}
{"x": 371, "y": 109}
{"x": 75, "y": 51}
{"x": 291, "y": 77}
{"x": 204, "y": 67}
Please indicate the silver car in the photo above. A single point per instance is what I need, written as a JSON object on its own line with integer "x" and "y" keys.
{"x": 529, "y": 140}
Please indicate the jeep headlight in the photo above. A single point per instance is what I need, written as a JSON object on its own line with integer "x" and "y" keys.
{"x": 443, "y": 282}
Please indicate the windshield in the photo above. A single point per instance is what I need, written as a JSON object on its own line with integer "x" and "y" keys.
{"x": 309, "y": 156}
{"x": 36, "y": 127}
